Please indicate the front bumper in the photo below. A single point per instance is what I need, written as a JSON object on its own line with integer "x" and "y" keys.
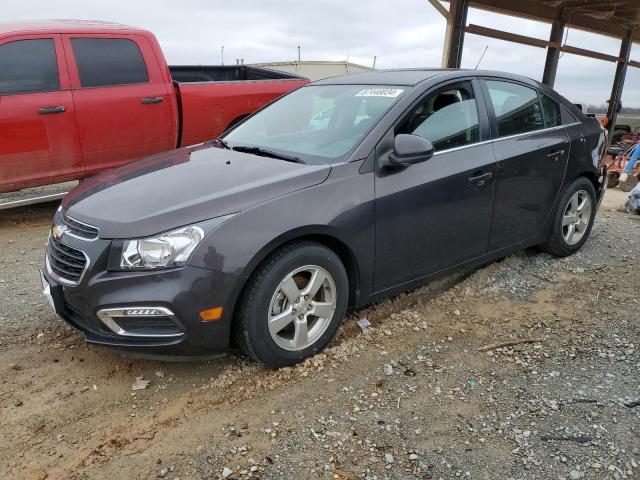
{"x": 181, "y": 294}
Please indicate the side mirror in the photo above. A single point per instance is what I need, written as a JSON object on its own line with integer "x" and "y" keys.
{"x": 410, "y": 149}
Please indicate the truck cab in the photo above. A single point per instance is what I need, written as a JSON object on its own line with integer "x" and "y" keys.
{"x": 77, "y": 97}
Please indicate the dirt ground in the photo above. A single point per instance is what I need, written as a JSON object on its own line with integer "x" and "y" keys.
{"x": 564, "y": 406}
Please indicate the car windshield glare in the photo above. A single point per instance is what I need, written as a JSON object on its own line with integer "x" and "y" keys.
{"x": 318, "y": 123}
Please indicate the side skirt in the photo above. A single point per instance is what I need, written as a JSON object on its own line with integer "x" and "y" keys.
{"x": 462, "y": 269}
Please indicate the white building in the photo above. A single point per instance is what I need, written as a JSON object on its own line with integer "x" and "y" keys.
{"x": 315, "y": 70}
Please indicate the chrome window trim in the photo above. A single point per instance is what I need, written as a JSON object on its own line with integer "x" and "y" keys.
{"x": 106, "y": 317}
{"x": 509, "y": 137}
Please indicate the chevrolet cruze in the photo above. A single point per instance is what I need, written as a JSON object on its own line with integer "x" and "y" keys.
{"x": 338, "y": 194}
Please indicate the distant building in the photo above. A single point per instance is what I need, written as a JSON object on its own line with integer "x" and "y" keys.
{"x": 315, "y": 70}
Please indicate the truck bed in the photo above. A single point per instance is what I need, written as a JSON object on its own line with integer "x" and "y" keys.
{"x": 226, "y": 73}
{"x": 214, "y": 98}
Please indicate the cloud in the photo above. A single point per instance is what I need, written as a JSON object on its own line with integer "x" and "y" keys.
{"x": 404, "y": 33}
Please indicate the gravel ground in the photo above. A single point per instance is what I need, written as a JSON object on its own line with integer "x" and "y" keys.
{"x": 425, "y": 393}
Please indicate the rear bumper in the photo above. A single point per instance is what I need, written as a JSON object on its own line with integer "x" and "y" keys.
{"x": 180, "y": 294}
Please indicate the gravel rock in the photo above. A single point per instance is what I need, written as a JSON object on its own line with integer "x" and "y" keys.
{"x": 140, "y": 384}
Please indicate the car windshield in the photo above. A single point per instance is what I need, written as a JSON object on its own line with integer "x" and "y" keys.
{"x": 318, "y": 123}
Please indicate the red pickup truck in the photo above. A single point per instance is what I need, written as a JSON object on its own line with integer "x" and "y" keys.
{"x": 77, "y": 97}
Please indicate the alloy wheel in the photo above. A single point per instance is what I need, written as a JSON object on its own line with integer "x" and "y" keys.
{"x": 302, "y": 307}
{"x": 576, "y": 218}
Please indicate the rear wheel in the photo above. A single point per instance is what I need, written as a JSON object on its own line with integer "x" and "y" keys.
{"x": 293, "y": 304}
{"x": 573, "y": 219}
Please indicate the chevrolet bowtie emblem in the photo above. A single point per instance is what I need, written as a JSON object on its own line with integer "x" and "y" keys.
{"x": 58, "y": 230}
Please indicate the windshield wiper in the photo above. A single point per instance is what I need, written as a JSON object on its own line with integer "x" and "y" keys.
{"x": 266, "y": 153}
{"x": 222, "y": 143}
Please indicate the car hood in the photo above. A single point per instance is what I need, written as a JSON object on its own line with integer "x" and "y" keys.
{"x": 182, "y": 187}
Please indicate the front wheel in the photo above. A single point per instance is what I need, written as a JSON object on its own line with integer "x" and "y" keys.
{"x": 292, "y": 305}
{"x": 573, "y": 219}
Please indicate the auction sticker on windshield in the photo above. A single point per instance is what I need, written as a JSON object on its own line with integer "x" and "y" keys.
{"x": 380, "y": 92}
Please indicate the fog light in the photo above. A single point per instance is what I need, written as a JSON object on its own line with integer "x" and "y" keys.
{"x": 152, "y": 322}
{"x": 143, "y": 312}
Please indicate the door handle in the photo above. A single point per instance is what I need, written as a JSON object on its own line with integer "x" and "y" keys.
{"x": 555, "y": 154}
{"x": 48, "y": 110}
{"x": 481, "y": 179}
{"x": 150, "y": 100}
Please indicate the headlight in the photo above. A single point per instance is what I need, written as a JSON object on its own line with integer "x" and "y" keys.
{"x": 166, "y": 250}
{"x": 171, "y": 249}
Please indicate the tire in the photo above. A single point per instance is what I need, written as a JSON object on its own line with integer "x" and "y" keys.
{"x": 559, "y": 242}
{"x": 273, "y": 310}
{"x": 630, "y": 184}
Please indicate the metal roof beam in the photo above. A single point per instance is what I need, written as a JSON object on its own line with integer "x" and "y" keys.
{"x": 590, "y": 53}
{"x": 552, "y": 43}
{"x": 553, "y": 54}
{"x": 454, "y": 38}
{"x": 440, "y": 8}
{"x": 615, "y": 103}
{"x": 509, "y": 37}
{"x": 545, "y": 13}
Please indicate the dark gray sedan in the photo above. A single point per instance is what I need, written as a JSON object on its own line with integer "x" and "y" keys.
{"x": 339, "y": 194}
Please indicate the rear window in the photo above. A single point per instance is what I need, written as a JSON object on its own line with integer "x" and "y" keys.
{"x": 28, "y": 66}
{"x": 517, "y": 108}
{"x": 106, "y": 62}
{"x": 551, "y": 111}
{"x": 567, "y": 116}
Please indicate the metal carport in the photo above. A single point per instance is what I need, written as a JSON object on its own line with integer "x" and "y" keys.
{"x": 615, "y": 18}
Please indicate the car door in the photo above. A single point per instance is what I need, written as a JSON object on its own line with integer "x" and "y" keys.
{"x": 435, "y": 214}
{"x": 122, "y": 99}
{"x": 532, "y": 160}
{"x": 38, "y": 137}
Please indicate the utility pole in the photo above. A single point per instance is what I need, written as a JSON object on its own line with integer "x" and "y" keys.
{"x": 298, "y": 53}
{"x": 222, "y": 56}
{"x": 374, "y": 61}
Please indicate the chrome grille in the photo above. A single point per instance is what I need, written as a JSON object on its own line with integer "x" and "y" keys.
{"x": 80, "y": 229}
{"x": 66, "y": 262}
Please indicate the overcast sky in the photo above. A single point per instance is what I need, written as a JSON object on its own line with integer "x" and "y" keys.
{"x": 401, "y": 33}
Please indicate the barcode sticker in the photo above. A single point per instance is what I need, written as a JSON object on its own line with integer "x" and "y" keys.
{"x": 380, "y": 92}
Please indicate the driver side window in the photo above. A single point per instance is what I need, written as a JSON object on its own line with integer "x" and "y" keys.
{"x": 447, "y": 118}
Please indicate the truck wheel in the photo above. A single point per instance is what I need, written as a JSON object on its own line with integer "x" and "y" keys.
{"x": 630, "y": 184}
{"x": 573, "y": 219}
{"x": 293, "y": 304}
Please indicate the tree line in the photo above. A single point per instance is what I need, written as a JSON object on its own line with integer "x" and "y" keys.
{"x": 603, "y": 109}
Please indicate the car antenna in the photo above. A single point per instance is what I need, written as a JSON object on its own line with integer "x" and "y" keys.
{"x": 482, "y": 56}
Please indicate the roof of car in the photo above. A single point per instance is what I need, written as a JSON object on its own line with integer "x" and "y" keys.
{"x": 411, "y": 76}
{"x": 55, "y": 26}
